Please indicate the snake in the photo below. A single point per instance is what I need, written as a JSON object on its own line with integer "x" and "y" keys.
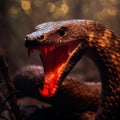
{"x": 61, "y": 44}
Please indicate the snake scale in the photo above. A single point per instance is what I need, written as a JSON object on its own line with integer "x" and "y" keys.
{"x": 62, "y": 44}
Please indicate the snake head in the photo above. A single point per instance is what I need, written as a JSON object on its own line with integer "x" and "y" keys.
{"x": 58, "y": 44}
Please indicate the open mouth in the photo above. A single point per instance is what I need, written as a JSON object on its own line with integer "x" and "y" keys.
{"x": 54, "y": 59}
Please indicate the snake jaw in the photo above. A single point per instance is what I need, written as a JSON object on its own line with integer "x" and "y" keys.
{"x": 54, "y": 59}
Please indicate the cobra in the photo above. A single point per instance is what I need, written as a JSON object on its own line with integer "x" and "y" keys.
{"x": 62, "y": 44}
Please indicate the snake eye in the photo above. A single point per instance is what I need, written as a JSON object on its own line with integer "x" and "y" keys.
{"x": 62, "y": 31}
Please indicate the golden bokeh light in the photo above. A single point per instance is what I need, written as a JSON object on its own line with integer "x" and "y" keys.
{"x": 64, "y": 8}
{"x": 112, "y": 11}
{"x": 52, "y": 7}
{"x": 14, "y": 10}
{"x": 58, "y": 9}
{"x": 57, "y": 13}
{"x": 26, "y": 5}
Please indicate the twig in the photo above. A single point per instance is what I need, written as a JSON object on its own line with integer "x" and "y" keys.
{"x": 10, "y": 86}
{"x": 4, "y": 118}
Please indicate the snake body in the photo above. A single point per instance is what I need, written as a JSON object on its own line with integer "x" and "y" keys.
{"x": 72, "y": 40}
{"x": 73, "y": 95}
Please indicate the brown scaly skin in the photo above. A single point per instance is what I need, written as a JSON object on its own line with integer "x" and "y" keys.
{"x": 73, "y": 95}
{"x": 95, "y": 41}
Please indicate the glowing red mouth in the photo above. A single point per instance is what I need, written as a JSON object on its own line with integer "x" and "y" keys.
{"x": 54, "y": 59}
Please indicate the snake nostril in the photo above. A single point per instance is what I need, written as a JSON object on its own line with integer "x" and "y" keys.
{"x": 41, "y": 37}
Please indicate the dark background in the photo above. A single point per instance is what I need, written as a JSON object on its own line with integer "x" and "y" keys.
{"x": 19, "y": 17}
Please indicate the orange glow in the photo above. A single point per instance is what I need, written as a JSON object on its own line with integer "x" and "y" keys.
{"x": 54, "y": 59}
{"x": 45, "y": 50}
{"x": 52, "y": 48}
{"x": 25, "y": 4}
{"x": 49, "y": 49}
{"x": 51, "y": 81}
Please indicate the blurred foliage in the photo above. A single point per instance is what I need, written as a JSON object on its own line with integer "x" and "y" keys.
{"x": 19, "y": 17}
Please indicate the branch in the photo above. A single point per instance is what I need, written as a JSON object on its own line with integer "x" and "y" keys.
{"x": 10, "y": 86}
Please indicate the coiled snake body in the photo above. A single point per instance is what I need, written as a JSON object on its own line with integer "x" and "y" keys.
{"x": 61, "y": 44}
{"x": 72, "y": 97}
